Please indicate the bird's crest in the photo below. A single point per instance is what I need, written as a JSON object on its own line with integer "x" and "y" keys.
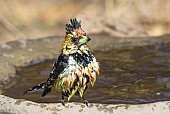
{"x": 73, "y": 26}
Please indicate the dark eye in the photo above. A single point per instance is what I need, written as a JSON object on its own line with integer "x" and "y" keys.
{"x": 74, "y": 40}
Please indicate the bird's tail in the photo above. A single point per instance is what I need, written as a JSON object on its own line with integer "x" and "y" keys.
{"x": 39, "y": 86}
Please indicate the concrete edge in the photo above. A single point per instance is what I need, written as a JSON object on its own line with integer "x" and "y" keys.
{"x": 20, "y": 106}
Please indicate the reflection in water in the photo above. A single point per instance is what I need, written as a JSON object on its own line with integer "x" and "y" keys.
{"x": 128, "y": 75}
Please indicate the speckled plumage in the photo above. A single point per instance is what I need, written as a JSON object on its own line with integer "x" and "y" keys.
{"x": 75, "y": 68}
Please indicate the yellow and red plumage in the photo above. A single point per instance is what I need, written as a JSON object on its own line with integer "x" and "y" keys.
{"x": 75, "y": 68}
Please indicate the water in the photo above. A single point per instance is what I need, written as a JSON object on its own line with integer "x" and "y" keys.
{"x": 128, "y": 75}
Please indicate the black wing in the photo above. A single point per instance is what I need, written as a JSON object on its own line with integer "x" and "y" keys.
{"x": 58, "y": 67}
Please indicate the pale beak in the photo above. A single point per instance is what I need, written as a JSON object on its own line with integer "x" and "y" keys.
{"x": 84, "y": 40}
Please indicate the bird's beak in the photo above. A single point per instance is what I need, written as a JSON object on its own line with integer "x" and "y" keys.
{"x": 84, "y": 40}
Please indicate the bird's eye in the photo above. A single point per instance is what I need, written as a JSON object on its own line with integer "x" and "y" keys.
{"x": 74, "y": 40}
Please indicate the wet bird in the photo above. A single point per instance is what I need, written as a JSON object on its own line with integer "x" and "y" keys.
{"x": 75, "y": 68}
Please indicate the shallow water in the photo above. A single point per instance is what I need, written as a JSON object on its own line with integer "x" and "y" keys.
{"x": 128, "y": 75}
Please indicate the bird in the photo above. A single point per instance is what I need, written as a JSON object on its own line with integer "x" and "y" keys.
{"x": 75, "y": 69}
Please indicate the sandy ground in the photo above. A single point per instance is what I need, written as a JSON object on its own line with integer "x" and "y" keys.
{"x": 23, "y": 19}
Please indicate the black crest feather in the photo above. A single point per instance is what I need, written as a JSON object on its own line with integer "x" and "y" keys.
{"x": 74, "y": 25}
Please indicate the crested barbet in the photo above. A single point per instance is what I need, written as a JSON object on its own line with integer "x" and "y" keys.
{"x": 75, "y": 68}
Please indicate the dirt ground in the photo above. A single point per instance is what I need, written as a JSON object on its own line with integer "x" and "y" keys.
{"x": 23, "y": 19}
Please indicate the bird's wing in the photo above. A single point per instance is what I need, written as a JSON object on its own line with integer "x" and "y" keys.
{"x": 58, "y": 67}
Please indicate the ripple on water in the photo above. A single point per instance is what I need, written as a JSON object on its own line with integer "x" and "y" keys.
{"x": 128, "y": 75}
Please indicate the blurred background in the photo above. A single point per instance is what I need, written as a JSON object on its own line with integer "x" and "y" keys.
{"x": 28, "y": 19}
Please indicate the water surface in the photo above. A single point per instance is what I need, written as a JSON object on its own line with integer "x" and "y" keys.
{"x": 133, "y": 75}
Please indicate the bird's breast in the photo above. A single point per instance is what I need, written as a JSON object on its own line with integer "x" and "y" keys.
{"x": 79, "y": 69}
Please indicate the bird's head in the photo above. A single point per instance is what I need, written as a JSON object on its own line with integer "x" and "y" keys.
{"x": 75, "y": 36}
